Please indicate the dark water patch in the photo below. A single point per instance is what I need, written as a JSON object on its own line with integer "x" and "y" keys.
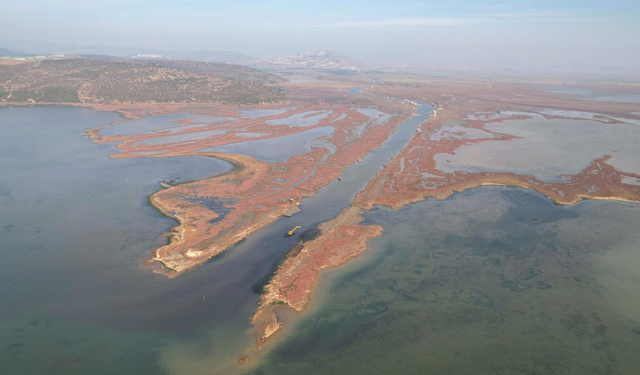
{"x": 309, "y": 235}
{"x": 220, "y": 206}
{"x": 529, "y": 273}
{"x": 305, "y": 236}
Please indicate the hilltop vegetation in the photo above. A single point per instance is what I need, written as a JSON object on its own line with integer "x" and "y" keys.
{"x": 218, "y": 69}
{"x": 231, "y": 71}
{"x": 106, "y": 82}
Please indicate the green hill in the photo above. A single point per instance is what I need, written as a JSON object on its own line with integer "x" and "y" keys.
{"x": 106, "y": 82}
{"x": 222, "y": 70}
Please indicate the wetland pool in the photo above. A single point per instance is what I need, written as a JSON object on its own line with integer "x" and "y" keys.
{"x": 548, "y": 149}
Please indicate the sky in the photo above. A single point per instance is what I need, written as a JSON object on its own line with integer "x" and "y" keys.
{"x": 464, "y": 34}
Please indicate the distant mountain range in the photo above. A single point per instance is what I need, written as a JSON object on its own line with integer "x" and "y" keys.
{"x": 317, "y": 60}
{"x": 323, "y": 60}
{"x": 11, "y": 53}
{"x": 46, "y": 48}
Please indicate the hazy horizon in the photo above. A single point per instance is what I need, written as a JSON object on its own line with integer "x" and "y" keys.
{"x": 540, "y": 35}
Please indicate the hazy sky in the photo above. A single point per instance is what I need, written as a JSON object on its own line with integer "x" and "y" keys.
{"x": 523, "y": 34}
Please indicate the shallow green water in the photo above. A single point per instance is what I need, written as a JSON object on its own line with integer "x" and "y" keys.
{"x": 490, "y": 281}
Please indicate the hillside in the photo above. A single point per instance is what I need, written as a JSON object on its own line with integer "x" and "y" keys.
{"x": 104, "y": 82}
{"x": 225, "y": 70}
{"x": 231, "y": 71}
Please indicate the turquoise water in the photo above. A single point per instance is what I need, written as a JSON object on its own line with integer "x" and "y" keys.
{"x": 490, "y": 281}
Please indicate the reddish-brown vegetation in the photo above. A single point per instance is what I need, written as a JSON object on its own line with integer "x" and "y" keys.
{"x": 216, "y": 213}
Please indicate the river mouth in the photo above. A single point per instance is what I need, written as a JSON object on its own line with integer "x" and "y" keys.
{"x": 77, "y": 225}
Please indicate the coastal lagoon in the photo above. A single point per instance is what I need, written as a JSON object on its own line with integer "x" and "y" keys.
{"x": 491, "y": 280}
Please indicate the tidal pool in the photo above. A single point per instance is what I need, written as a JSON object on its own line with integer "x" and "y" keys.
{"x": 490, "y": 281}
{"x": 302, "y": 119}
{"x": 548, "y": 148}
{"x": 587, "y": 94}
{"x": 258, "y": 113}
{"x": 144, "y": 125}
{"x": 278, "y": 149}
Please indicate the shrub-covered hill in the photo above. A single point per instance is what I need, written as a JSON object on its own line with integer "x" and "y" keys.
{"x": 223, "y": 70}
{"x": 107, "y": 82}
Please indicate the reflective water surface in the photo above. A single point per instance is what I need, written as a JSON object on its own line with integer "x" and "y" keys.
{"x": 547, "y": 149}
